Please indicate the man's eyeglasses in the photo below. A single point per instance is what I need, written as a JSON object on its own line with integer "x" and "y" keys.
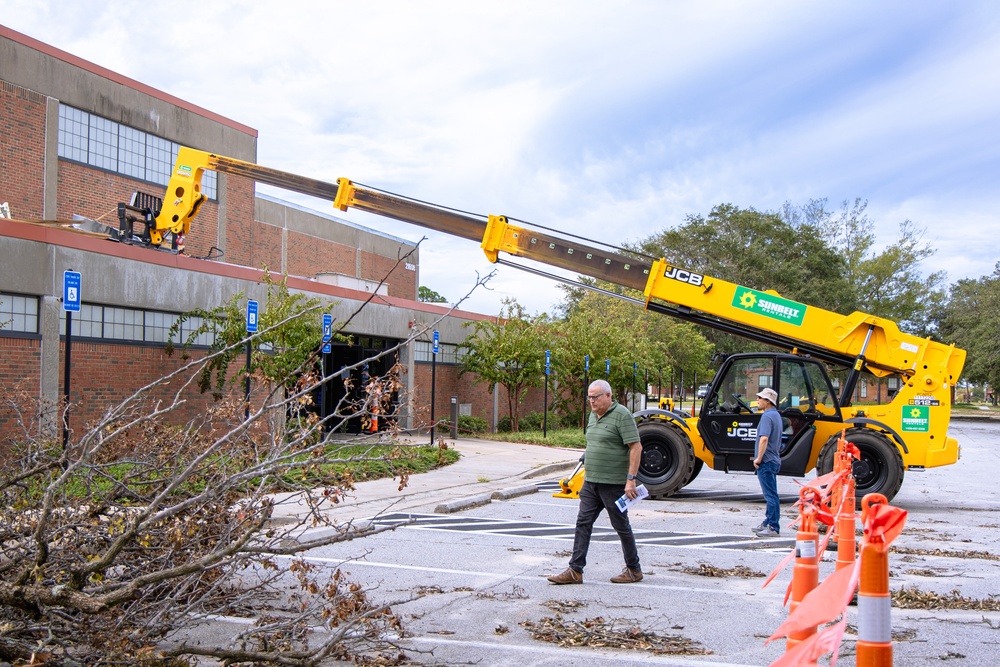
{"x": 594, "y": 398}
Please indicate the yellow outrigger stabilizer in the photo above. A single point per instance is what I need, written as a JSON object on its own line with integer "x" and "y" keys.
{"x": 569, "y": 487}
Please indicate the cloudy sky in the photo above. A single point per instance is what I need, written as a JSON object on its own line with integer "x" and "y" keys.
{"x": 610, "y": 120}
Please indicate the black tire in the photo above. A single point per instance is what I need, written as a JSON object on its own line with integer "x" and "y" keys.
{"x": 667, "y": 458}
{"x": 880, "y": 469}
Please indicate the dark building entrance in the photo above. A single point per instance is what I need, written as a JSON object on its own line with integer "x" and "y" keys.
{"x": 352, "y": 368}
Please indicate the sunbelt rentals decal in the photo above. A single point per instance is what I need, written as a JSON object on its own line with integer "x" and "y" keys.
{"x": 769, "y": 305}
{"x": 917, "y": 418}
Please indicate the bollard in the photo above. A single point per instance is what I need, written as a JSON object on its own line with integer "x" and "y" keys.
{"x": 805, "y": 573}
{"x": 874, "y": 646}
{"x": 454, "y": 417}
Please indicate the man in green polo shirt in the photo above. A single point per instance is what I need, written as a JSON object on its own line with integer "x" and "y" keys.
{"x": 611, "y": 464}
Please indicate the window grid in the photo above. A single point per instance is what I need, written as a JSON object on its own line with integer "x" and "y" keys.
{"x": 18, "y": 313}
{"x": 132, "y": 152}
{"x": 73, "y": 133}
{"x": 447, "y": 352}
{"x": 131, "y": 325}
{"x": 103, "y": 143}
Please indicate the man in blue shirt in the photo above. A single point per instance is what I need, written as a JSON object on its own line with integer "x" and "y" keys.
{"x": 768, "y": 461}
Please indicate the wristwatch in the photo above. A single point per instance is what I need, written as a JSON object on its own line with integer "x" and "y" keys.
{"x": 629, "y": 476}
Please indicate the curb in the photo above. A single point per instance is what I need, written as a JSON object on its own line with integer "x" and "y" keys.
{"x": 507, "y": 494}
{"x": 551, "y": 468}
{"x": 460, "y": 504}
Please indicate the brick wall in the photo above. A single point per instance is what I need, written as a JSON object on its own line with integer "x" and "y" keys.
{"x": 266, "y": 250}
{"x": 308, "y": 255}
{"x": 20, "y": 360}
{"x": 402, "y": 283}
{"x": 240, "y": 226}
{"x": 448, "y": 383}
{"x": 22, "y": 150}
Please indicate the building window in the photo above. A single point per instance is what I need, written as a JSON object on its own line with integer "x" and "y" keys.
{"x": 447, "y": 353}
{"x": 103, "y": 143}
{"x": 133, "y": 325}
{"x": 18, "y": 313}
{"x": 765, "y": 381}
{"x": 892, "y": 383}
{"x": 864, "y": 389}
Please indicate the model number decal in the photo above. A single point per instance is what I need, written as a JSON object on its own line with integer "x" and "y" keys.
{"x": 683, "y": 276}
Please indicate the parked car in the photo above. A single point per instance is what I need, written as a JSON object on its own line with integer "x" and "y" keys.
{"x": 702, "y": 391}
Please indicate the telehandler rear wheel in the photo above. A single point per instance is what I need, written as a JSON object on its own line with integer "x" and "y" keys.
{"x": 667, "y": 458}
{"x": 880, "y": 469}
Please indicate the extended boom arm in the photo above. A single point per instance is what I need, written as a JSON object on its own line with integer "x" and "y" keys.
{"x": 857, "y": 340}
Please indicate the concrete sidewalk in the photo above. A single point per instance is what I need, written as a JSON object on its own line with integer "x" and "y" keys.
{"x": 486, "y": 469}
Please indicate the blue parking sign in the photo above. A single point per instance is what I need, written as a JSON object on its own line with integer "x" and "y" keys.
{"x": 71, "y": 291}
{"x": 251, "y": 316}
{"x": 327, "y": 328}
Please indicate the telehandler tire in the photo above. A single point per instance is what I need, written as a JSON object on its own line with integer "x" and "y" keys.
{"x": 667, "y": 458}
{"x": 880, "y": 469}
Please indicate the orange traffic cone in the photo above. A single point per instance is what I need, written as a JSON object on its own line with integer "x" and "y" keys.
{"x": 805, "y": 573}
{"x": 847, "y": 522}
{"x": 874, "y": 646}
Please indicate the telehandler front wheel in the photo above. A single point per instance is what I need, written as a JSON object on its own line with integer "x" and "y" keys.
{"x": 667, "y": 458}
{"x": 880, "y": 468}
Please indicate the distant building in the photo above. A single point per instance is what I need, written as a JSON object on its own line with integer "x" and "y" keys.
{"x": 75, "y": 140}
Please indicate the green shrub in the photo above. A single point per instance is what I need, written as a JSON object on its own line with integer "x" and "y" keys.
{"x": 466, "y": 424}
{"x": 532, "y": 422}
{"x": 503, "y": 424}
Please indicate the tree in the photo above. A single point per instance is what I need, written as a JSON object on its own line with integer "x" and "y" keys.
{"x": 758, "y": 250}
{"x": 886, "y": 283}
{"x": 510, "y": 351}
{"x": 971, "y": 319}
{"x": 635, "y": 341}
{"x": 279, "y": 351}
{"x": 427, "y": 295}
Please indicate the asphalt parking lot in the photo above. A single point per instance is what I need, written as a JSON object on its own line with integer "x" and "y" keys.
{"x": 484, "y": 598}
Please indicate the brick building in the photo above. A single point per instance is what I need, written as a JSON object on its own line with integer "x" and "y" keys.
{"x": 75, "y": 140}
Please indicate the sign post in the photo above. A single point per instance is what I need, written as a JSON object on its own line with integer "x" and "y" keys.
{"x": 545, "y": 396}
{"x": 586, "y": 389}
{"x": 323, "y": 358}
{"x": 251, "y": 329}
{"x": 434, "y": 356}
{"x": 72, "y": 298}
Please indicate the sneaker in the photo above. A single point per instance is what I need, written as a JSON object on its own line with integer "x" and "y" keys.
{"x": 570, "y": 576}
{"x": 757, "y": 529}
{"x": 767, "y": 531}
{"x": 627, "y": 577}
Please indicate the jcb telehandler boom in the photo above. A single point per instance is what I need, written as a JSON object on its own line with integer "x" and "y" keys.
{"x": 910, "y": 432}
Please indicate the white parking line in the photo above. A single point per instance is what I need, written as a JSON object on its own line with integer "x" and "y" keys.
{"x": 580, "y": 654}
{"x": 339, "y": 562}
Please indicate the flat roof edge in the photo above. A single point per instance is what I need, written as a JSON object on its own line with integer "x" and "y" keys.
{"x": 121, "y": 79}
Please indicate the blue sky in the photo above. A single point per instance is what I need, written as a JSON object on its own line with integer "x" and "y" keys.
{"x": 612, "y": 120}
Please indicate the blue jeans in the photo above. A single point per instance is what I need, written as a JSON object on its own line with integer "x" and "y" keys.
{"x": 767, "y": 475}
{"x": 593, "y": 499}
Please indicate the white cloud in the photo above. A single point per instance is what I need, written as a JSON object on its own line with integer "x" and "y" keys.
{"x": 608, "y": 120}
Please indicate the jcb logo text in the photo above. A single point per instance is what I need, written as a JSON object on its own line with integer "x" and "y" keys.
{"x": 684, "y": 276}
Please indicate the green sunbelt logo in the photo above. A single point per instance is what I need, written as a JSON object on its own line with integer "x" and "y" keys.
{"x": 769, "y": 305}
{"x": 916, "y": 418}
